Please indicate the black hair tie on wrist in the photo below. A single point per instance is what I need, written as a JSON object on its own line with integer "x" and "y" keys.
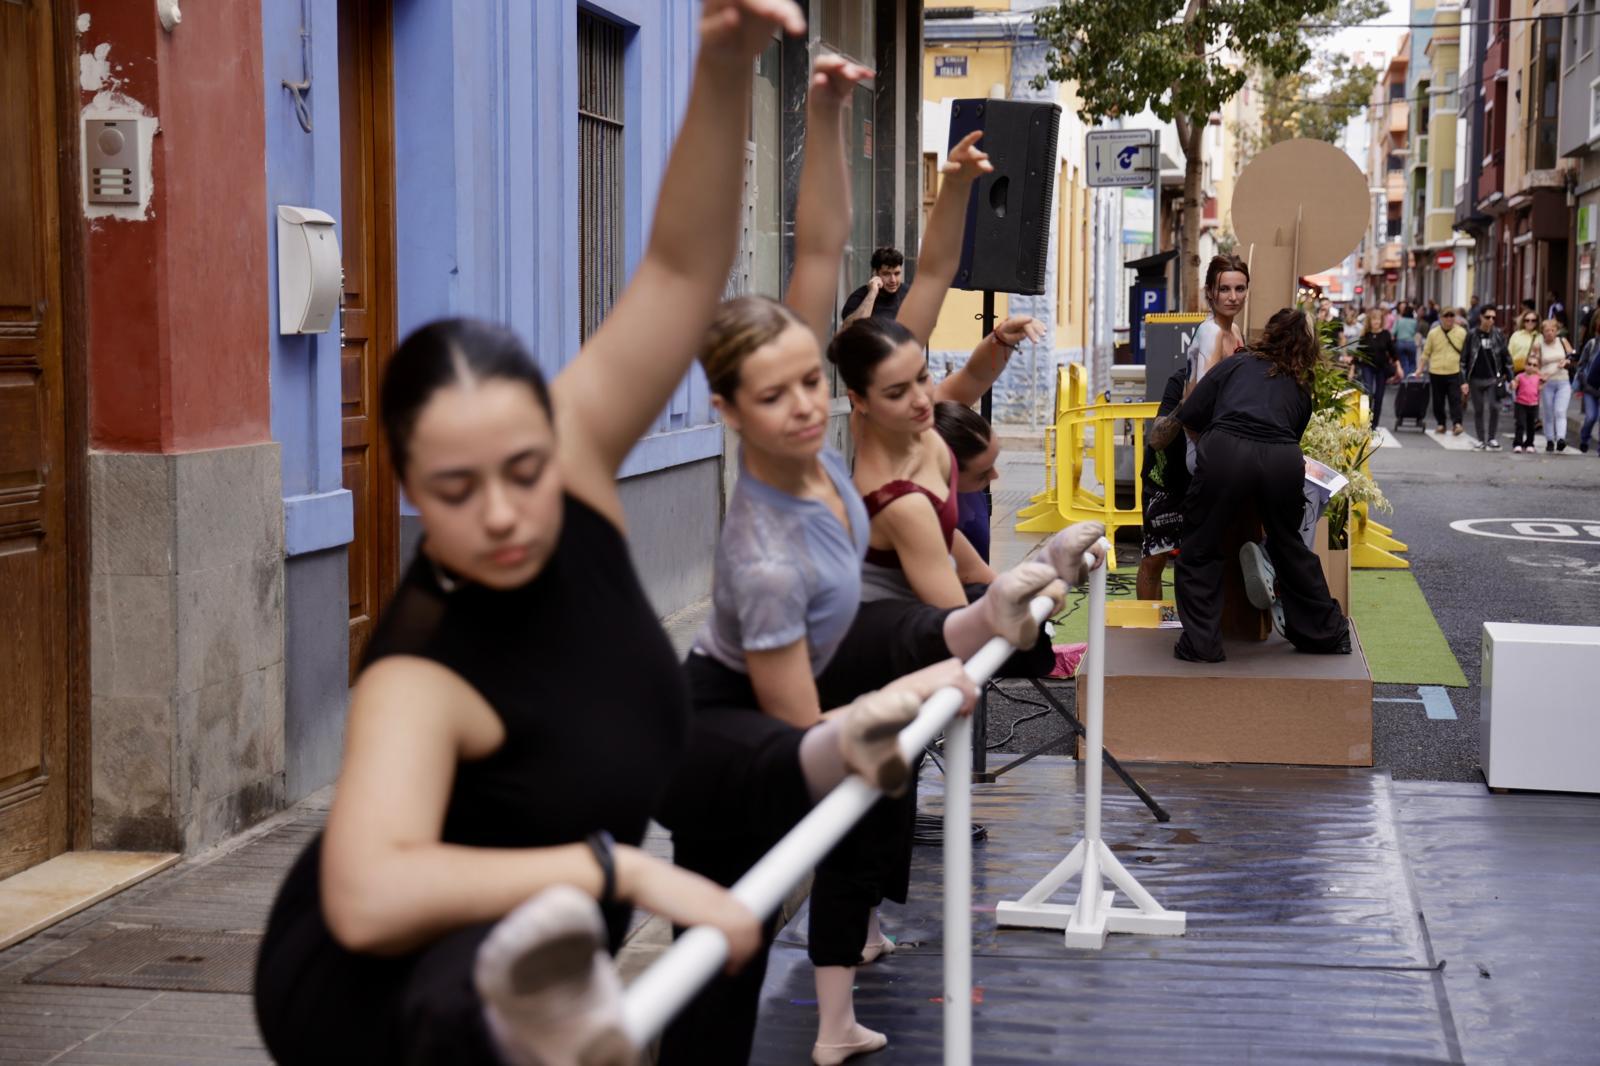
{"x": 603, "y": 845}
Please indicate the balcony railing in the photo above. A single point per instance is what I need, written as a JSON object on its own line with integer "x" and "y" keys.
{"x": 1419, "y": 152}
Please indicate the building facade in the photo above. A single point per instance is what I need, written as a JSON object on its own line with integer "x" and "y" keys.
{"x": 200, "y": 515}
{"x": 1578, "y": 140}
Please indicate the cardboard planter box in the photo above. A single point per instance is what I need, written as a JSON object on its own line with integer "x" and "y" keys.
{"x": 1335, "y": 567}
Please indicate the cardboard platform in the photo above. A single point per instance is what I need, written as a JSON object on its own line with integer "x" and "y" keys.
{"x": 1266, "y": 704}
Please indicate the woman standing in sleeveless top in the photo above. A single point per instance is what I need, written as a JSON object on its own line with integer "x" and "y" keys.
{"x": 448, "y": 912}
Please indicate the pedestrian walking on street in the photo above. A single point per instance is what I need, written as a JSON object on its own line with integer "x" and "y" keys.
{"x": 1405, "y": 338}
{"x": 1376, "y": 366}
{"x": 1588, "y": 365}
{"x": 1522, "y": 339}
{"x": 1525, "y": 394}
{"x": 1250, "y": 413}
{"x": 1588, "y": 359}
{"x": 481, "y": 855}
{"x": 1441, "y": 358}
{"x": 1555, "y": 363}
{"x": 1485, "y": 369}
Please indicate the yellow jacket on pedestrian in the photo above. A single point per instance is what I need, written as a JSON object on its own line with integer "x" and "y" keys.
{"x": 1519, "y": 344}
{"x": 1441, "y": 352}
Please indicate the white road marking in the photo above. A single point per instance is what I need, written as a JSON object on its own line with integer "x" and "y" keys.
{"x": 1463, "y": 443}
{"x": 1573, "y": 531}
{"x": 1387, "y": 439}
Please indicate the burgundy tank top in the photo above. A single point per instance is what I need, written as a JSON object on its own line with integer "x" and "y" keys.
{"x": 948, "y": 510}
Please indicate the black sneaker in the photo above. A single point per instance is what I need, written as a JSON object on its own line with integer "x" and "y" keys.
{"x": 1549, "y": 446}
{"x": 1561, "y": 445}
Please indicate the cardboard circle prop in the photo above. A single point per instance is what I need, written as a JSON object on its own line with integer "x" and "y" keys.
{"x": 1303, "y": 174}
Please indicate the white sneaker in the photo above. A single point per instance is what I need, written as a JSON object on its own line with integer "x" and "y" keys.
{"x": 549, "y": 988}
{"x": 1260, "y": 582}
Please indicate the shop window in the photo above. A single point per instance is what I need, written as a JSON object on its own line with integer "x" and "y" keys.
{"x": 601, "y": 165}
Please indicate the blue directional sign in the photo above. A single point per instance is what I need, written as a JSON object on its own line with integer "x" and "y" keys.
{"x": 1121, "y": 159}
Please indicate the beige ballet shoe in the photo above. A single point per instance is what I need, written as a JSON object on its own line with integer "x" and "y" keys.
{"x": 873, "y": 952}
{"x": 870, "y": 738}
{"x": 834, "y": 1054}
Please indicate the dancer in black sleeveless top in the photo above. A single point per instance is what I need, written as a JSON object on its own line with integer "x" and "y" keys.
{"x": 498, "y": 766}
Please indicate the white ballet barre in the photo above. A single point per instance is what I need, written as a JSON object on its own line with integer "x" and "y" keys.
{"x": 661, "y": 991}
{"x": 1087, "y": 922}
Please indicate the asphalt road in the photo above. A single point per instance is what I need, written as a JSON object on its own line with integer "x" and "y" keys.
{"x": 1467, "y": 578}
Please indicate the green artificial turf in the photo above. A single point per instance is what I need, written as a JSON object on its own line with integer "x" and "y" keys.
{"x": 1403, "y": 642}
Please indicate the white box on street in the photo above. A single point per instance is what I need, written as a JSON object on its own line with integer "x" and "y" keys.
{"x": 1539, "y": 716}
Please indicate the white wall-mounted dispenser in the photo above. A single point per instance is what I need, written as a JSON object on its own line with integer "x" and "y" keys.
{"x": 309, "y": 270}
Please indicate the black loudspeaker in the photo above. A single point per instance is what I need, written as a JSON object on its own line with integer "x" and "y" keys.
{"x": 1007, "y": 243}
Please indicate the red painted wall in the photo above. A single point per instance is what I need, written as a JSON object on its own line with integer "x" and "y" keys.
{"x": 177, "y": 302}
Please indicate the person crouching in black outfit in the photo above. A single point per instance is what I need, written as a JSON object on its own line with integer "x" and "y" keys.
{"x": 1249, "y": 413}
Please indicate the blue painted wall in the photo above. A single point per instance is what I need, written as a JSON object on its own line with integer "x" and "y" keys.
{"x": 303, "y": 170}
{"x": 300, "y": 42}
{"x": 486, "y": 172}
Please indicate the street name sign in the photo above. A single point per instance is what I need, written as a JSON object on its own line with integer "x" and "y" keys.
{"x": 1121, "y": 158}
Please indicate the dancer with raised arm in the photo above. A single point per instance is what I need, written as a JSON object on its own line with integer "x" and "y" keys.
{"x": 499, "y": 772}
{"x": 785, "y": 599}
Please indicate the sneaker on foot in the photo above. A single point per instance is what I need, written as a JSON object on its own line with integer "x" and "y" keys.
{"x": 1456, "y": 429}
{"x": 1549, "y": 445}
{"x": 550, "y": 991}
{"x": 1259, "y": 577}
{"x": 1494, "y": 445}
{"x": 1478, "y": 446}
{"x": 1440, "y": 430}
{"x": 1561, "y": 445}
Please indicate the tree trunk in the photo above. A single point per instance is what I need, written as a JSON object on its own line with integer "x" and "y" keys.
{"x": 1191, "y": 133}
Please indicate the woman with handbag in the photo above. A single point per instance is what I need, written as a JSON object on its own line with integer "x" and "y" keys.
{"x": 1555, "y": 362}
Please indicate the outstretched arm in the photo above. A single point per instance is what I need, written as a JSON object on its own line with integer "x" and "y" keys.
{"x": 822, "y": 210}
{"x": 967, "y": 385}
{"x": 941, "y": 246}
{"x": 607, "y": 398}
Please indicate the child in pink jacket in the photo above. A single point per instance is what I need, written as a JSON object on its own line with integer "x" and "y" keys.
{"x": 1526, "y": 391}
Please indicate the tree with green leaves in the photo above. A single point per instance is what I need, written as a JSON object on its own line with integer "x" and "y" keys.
{"x": 1183, "y": 59}
{"x": 1316, "y": 102}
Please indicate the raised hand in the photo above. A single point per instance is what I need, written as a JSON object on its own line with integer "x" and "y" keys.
{"x": 1018, "y": 328}
{"x": 833, "y": 79}
{"x": 966, "y": 160}
{"x": 740, "y": 30}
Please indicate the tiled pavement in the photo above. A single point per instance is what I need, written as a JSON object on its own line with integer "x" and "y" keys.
{"x": 231, "y": 887}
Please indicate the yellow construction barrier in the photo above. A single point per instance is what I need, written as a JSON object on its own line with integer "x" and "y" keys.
{"x": 1372, "y": 544}
{"x": 1068, "y": 446}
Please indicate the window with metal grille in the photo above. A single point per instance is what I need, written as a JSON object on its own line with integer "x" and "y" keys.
{"x": 600, "y": 169}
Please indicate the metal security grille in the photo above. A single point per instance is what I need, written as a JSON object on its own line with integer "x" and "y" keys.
{"x": 600, "y": 168}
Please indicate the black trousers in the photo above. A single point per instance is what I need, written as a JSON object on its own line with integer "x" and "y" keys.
{"x": 741, "y": 788}
{"x": 1481, "y": 392}
{"x": 316, "y": 1002}
{"x": 1233, "y": 473}
{"x": 1446, "y": 392}
{"x": 1527, "y": 416}
{"x": 1376, "y": 383}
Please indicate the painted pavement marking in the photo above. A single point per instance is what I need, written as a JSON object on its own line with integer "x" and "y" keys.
{"x": 1585, "y": 531}
{"x": 1435, "y": 700}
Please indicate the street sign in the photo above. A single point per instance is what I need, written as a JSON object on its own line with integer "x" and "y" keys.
{"x": 1121, "y": 158}
{"x": 1444, "y": 260}
{"x": 949, "y": 66}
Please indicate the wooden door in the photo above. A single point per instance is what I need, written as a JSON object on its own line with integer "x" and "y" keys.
{"x": 366, "y": 133}
{"x": 34, "y": 556}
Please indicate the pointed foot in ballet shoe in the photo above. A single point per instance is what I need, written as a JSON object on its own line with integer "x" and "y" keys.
{"x": 866, "y": 1043}
{"x": 548, "y": 986}
{"x": 873, "y": 952}
{"x": 871, "y": 738}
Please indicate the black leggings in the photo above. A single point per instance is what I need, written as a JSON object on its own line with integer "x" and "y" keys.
{"x": 1235, "y": 473}
{"x": 1446, "y": 393}
{"x": 741, "y": 788}
{"x": 1527, "y": 415}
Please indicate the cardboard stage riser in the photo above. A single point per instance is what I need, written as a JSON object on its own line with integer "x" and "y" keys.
{"x": 1281, "y": 708}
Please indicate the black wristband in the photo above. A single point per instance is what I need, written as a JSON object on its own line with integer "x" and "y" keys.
{"x": 603, "y": 844}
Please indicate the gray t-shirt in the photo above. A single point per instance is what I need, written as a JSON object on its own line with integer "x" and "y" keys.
{"x": 786, "y": 569}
